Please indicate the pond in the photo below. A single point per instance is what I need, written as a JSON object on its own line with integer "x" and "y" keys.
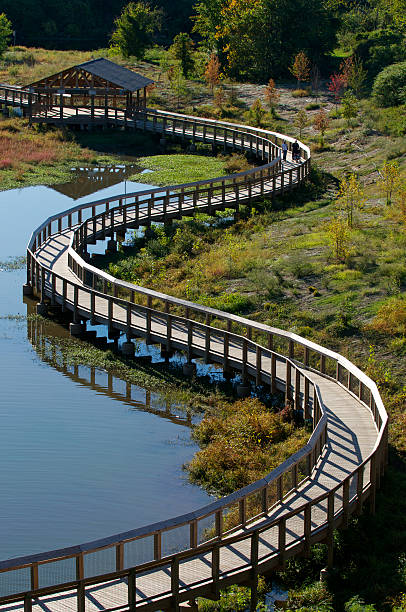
{"x": 83, "y": 454}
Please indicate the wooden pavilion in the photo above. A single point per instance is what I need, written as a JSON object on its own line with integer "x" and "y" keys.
{"x": 97, "y": 84}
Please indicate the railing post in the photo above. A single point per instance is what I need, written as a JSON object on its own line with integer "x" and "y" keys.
{"x": 254, "y": 571}
{"x": 27, "y": 603}
{"x": 297, "y": 388}
{"x": 330, "y": 529}
{"x": 119, "y": 556}
{"x": 242, "y": 511}
{"x": 273, "y": 373}
{"x": 360, "y": 487}
{"x": 175, "y": 583}
{"x": 307, "y": 528}
{"x": 346, "y": 501}
{"x": 288, "y": 380}
{"x": 207, "y": 339}
{"x": 258, "y": 365}
{"x": 157, "y": 546}
{"x": 193, "y": 534}
{"x": 132, "y": 591}
{"x": 282, "y": 541}
{"x": 34, "y": 576}
{"x": 215, "y": 569}
{"x": 219, "y": 524}
{"x": 81, "y": 597}
{"x": 306, "y": 398}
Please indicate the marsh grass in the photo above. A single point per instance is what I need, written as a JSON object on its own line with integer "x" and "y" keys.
{"x": 240, "y": 444}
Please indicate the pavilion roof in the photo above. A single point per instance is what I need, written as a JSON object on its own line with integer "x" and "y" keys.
{"x": 106, "y": 73}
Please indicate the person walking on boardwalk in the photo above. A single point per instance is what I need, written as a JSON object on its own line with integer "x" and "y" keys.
{"x": 284, "y": 150}
{"x": 295, "y": 151}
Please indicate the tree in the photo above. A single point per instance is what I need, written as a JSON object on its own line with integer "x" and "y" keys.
{"x": 321, "y": 123}
{"x": 336, "y": 86}
{"x": 178, "y": 85}
{"x": 301, "y": 121}
{"x": 272, "y": 95}
{"x": 401, "y": 203}
{"x": 212, "y": 72}
{"x": 315, "y": 80}
{"x": 339, "y": 237}
{"x": 301, "y": 67}
{"x": 389, "y": 87}
{"x": 389, "y": 179}
{"x": 219, "y": 99}
{"x": 350, "y": 106}
{"x": 353, "y": 74}
{"x": 6, "y": 31}
{"x": 256, "y": 113}
{"x": 257, "y": 39}
{"x": 351, "y": 197}
{"x": 182, "y": 50}
{"x": 134, "y": 29}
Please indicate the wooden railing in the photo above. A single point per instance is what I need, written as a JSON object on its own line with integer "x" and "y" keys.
{"x": 271, "y": 356}
{"x": 14, "y": 95}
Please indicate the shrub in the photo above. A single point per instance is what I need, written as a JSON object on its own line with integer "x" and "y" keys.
{"x": 382, "y": 48}
{"x": 300, "y": 93}
{"x": 390, "y": 85}
{"x": 236, "y": 162}
{"x": 312, "y": 106}
{"x": 229, "y": 302}
{"x": 391, "y": 317}
{"x": 241, "y": 444}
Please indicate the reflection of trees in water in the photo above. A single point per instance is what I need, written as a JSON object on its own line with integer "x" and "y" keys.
{"x": 101, "y": 381}
{"x": 89, "y": 179}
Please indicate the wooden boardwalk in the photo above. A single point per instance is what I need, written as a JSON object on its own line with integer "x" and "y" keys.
{"x": 163, "y": 565}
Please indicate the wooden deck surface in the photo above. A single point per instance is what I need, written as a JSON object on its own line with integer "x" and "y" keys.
{"x": 351, "y": 430}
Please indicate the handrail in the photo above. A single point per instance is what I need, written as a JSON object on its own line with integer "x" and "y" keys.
{"x": 296, "y": 379}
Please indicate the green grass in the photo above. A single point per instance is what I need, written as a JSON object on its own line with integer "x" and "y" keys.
{"x": 175, "y": 169}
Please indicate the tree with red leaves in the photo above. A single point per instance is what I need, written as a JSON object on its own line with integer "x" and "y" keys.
{"x": 336, "y": 86}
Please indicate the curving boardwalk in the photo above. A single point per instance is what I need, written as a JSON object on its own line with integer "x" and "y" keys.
{"x": 161, "y": 566}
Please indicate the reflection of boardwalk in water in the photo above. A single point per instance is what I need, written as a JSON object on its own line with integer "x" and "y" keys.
{"x": 104, "y": 382}
{"x": 88, "y": 180}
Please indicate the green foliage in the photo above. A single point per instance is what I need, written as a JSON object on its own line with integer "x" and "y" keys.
{"x": 241, "y": 444}
{"x": 233, "y": 599}
{"x": 256, "y": 114}
{"x": 6, "y": 32}
{"x": 349, "y": 106}
{"x": 258, "y": 39}
{"x": 182, "y": 50}
{"x": 134, "y": 29}
{"x": 313, "y": 597}
{"x": 357, "y": 604}
{"x": 381, "y": 48}
{"x": 229, "y": 302}
{"x": 390, "y": 85}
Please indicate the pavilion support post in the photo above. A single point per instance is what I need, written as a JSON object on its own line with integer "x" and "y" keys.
{"x": 106, "y": 108}
{"x": 61, "y": 106}
{"x": 144, "y": 100}
{"x": 30, "y": 108}
{"x": 92, "y": 107}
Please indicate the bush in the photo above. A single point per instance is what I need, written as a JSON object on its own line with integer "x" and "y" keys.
{"x": 380, "y": 49}
{"x": 235, "y": 303}
{"x": 391, "y": 317}
{"x": 390, "y": 85}
{"x": 312, "y": 106}
{"x": 300, "y": 93}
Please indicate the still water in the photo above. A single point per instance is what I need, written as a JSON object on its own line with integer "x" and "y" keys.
{"x": 83, "y": 455}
